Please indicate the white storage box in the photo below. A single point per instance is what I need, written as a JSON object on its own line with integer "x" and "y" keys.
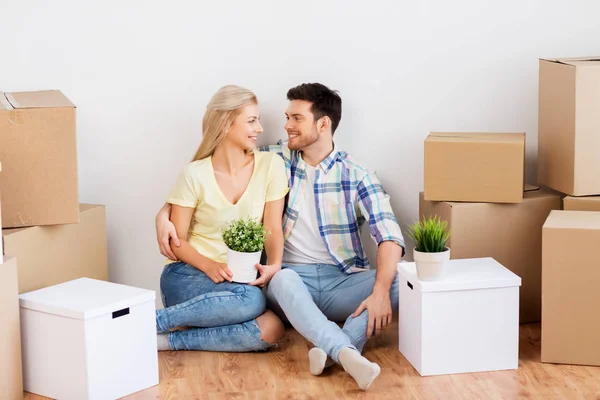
{"x": 88, "y": 339}
{"x": 468, "y": 322}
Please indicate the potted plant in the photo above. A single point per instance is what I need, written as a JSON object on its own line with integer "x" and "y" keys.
{"x": 245, "y": 240}
{"x": 430, "y": 252}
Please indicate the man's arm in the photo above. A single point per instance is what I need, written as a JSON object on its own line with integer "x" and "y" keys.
{"x": 166, "y": 235}
{"x": 375, "y": 205}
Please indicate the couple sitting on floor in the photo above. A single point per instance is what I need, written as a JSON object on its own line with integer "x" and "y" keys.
{"x": 317, "y": 272}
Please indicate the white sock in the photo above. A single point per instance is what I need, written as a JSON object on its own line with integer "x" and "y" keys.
{"x": 162, "y": 341}
{"x": 362, "y": 370}
{"x": 318, "y": 361}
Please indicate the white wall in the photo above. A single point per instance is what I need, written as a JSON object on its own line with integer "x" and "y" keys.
{"x": 141, "y": 75}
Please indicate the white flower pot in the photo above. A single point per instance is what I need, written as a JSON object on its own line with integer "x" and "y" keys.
{"x": 243, "y": 265}
{"x": 431, "y": 266}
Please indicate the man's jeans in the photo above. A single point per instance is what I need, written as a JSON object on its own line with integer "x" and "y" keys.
{"x": 222, "y": 316}
{"x": 311, "y": 296}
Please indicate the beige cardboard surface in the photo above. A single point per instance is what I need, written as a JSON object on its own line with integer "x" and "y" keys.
{"x": 39, "y": 159}
{"x": 11, "y": 380}
{"x": 569, "y": 125}
{"x": 49, "y": 255}
{"x": 474, "y": 167}
{"x": 1, "y": 241}
{"x": 570, "y": 276}
{"x": 591, "y": 203}
{"x": 509, "y": 233}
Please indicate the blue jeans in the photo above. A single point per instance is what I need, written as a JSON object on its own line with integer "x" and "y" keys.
{"x": 311, "y": 296}
{"x": 222, "y": 316}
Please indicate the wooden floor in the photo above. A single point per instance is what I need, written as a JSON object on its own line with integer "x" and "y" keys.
{"x": 283, "y": 374}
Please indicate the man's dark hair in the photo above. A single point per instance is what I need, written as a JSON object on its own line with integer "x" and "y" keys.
{"x": 325, "y": 102}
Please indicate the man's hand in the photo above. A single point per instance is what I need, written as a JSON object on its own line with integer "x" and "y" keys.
{"x": 218, "y": 272}
{"x": 379, "y": 307}
{"x": 165, "y": 230}
{"x": 266, "y": 273}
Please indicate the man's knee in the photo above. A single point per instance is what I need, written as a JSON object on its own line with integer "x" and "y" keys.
{"x": 284, "y": 278}
{"x": 271, "y": 327}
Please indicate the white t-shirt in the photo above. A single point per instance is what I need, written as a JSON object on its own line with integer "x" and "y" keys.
{"x": 305, "y": 245}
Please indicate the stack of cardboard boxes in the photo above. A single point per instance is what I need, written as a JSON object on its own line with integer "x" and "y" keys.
{"x": 476, "y": 182}
{"x": 48, "y": 237}
{"x": 569, "y": 162}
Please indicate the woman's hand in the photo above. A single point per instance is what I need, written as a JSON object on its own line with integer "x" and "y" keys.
{"x": 266, "y": 273}
{"x": 218, "y": 272}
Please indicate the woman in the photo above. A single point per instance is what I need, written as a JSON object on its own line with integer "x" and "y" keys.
{"x": 226, "y": 180}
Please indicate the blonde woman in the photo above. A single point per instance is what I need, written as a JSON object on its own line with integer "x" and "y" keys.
{"x": 226, "y": 180}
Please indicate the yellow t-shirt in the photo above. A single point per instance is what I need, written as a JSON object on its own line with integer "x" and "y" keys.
{"x": 197, "y": 187}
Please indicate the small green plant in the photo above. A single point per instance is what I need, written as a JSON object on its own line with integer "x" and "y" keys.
{"x": 245, "y": 235}
{"x": 429, "y": 234}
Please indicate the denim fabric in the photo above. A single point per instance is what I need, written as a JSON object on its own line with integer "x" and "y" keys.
{"x": 312, "y": 296}
{"x": 220, "y": 316}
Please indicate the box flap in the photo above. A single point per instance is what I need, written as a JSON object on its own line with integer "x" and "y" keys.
{"x": 4, "y": 103}
{"x": 85, "y": 298}
{"x": 477, "y": 137}
{"x": 569, "y": 219}
{"x": 462, "y": 274}
{"x": 39, "y": 99}
{"x": 576, "y": 61}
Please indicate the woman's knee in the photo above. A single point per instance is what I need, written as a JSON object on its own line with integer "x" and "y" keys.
{"x": 254, "y": 303}
{"x": 271, "y": 327}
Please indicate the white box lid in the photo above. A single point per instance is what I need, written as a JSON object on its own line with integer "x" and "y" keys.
{"x": 85, "y": 298}
{"x": 463, "y": 274}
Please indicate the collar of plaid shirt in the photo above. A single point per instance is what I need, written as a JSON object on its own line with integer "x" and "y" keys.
{"x": 344, "y": 193}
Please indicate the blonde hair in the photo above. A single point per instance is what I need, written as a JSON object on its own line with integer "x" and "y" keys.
{"x": 221, "y": 111}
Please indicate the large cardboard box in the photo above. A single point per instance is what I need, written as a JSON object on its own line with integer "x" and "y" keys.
{"x": 509, "y": 233}
{"x": 49, "y": 255}
{"x": 39, "y": 159}
{"x": 475, "y": 167}
{"x": 591, "y": 203}
{"x": 570, "y": 276}
{"x": 569, "y": 125}
{"x": 11, "y": 381}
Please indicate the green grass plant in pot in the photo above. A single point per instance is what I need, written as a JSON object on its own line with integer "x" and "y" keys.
{"x": 245, "y": 241}
{"x": 430, "y": 253}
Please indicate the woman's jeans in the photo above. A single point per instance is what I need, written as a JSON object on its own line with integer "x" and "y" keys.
{"x": 220, "y": 316}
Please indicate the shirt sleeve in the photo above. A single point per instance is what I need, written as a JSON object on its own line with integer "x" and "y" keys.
{"x": 186, "y": 192}
{"x": 281, "y": 149}
{"x": 277, "y": 186}
{"x": 374, "y": 204}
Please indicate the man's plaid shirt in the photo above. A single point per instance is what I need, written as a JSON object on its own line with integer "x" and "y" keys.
{"x": 346, "y": 194}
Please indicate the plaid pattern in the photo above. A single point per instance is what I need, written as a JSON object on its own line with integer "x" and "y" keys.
{"x": 346, "y": 195}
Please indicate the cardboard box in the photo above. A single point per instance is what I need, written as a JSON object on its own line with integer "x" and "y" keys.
{"x": 570, "y": 276}
{"x": 581, "y": 203}
{"x": 39, "y": 159}
{"x": 509, "y": 233}
{"x": 475, "y": 167}
{"x": 569, "y": 125}
{"x": 11, "y": 381}
{"x": 49, "y": 255}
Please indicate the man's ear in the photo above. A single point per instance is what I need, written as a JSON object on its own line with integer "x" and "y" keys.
{"x": 324, "y": 124}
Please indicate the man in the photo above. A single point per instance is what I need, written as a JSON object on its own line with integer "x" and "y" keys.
{"x": 324, "y": 276}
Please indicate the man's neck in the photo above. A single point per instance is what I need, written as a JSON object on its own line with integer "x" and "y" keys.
{"x": 315, "y": 154}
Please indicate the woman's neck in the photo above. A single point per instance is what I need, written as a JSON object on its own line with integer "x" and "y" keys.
{"x": 229, "y": 159}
